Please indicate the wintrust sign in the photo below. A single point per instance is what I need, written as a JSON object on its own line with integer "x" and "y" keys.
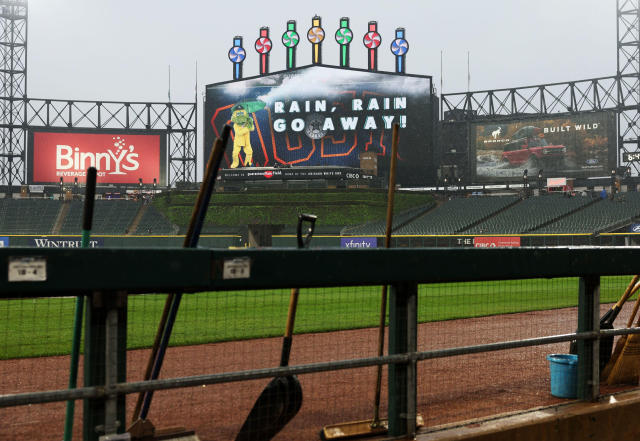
{"x": 119, "y": 157}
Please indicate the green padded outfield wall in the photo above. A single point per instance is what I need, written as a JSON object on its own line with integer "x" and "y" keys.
{"x": 73, "y": 241}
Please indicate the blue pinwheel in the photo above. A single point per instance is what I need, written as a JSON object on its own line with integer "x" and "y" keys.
{"x": 399, "y": 47}
{"x": 237, "y": 54}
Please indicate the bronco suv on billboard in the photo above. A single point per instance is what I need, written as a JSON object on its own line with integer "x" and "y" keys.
{"x": 530, "y": 147}
{"x": 571, "y": 146}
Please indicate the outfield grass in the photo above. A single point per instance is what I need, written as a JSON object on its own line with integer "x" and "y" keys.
{"x": 43, "y": 327}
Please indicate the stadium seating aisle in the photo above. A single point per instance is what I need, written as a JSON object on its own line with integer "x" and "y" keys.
{"x": 529, "y": 214}
{"x": 154, "y": 222}
{"x": 457, "y": 214}
{"x": 378, "y": 228}
{"x": 598, "y": 217}
{"x": 109, "y": 217}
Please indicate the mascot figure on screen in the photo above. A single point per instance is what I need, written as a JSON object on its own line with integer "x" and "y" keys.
{"x": 242, "y": 127}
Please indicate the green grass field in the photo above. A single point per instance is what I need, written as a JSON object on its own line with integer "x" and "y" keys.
{"x": 43, "y": 327}
{"x": 333, "y": 208}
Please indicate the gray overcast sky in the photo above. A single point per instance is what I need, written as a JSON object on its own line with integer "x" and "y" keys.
{"x": 120, "y": 49}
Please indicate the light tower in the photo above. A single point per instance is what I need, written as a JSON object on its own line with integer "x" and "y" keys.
{"x": 13, "y": 93}
{"x": 628, "y": 29}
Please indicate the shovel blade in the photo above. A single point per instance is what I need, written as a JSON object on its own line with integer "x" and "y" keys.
{"x": 278, "y": 403}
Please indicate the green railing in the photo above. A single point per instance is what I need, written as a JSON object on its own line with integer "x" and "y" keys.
{"x": 30, "y": 272}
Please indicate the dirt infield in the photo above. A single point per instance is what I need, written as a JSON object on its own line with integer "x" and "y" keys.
{"x": 449, "y": 389}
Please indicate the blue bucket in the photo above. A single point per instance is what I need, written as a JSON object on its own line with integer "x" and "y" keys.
{"x": 564, "y": 375}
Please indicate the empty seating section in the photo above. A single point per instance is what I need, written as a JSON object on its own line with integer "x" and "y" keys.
{"x": 379, "y": 228}
{"x": 109, "y": 217}
{"x": 72, "y": 223}
{"x": 547, "y": 214}
{"x": 28, "y": 216}
{"x": 154, "y": 222}
{"x": 456, "y": 215}
{"x": 599, "y": 216}
{"x": 530, "y": 214}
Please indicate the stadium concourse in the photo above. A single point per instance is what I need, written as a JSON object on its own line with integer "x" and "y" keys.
{"x": 455, "y": 214}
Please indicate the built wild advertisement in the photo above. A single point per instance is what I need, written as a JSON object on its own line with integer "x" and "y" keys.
{"x": 578, "y": 146}
{"x": 324, "y": 116}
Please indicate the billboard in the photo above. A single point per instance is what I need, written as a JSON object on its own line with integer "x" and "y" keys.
{"x": 576, "y": 146}
{"x": 324, "y": 116}
{"x": 496, "y": 242}
{"x": 64, "y": 242}
{"x": 358, "y": 242}
{"x": 120, "y": 157}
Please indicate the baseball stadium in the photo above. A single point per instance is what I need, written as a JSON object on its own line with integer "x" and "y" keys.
{"x": 362, "y": 258}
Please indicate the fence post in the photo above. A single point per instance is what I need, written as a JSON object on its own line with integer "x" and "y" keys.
{"x": 105, "y": 351}
{"x": 589, "y": 350}
{"x": 403, "y": 318}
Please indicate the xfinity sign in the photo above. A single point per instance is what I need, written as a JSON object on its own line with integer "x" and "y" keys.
{"x": 358, "y": 242}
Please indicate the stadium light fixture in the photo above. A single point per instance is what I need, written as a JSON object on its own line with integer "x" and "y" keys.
{"x": 539, "y": 181}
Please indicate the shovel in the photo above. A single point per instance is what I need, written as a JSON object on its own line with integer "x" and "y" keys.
{"x": 606, "y": 322}
{"x": 281, "y": 399}
{"x": 140, "y": 426}
{"x": 87, "y": 219}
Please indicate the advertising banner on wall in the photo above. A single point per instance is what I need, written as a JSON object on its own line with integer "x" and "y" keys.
{"x": 324, "y": 116}
{"x": 121, "y": 158}
{"x": 496, "y": 242}
{"x": 358, "y": 242}
{"x": 577, "y": 146}
{"x": 64, "y": 242}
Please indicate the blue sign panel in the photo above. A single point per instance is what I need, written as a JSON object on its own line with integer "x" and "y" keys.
{"x": 4, "y": 241}
{"x": 358, "y": 242}
{"x": 634, "y": 228}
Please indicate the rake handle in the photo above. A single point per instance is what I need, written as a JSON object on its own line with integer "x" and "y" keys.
{"x": 173, "y": 300}
{"x": 387, "y": 244}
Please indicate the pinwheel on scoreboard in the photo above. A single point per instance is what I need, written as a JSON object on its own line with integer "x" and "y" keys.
{"x": 372, "y": 41}
{"x": 237, "y": 55}
{"x": 315, "y": 35}
{"x": 344, "y": 35}
{"x": 399, "y": 48}
{"x": 290, "y": 40}
{"x": 263, "y": 47}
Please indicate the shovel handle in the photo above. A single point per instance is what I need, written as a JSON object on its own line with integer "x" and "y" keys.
{"x": 629, "y": 291}
{"x": 303, "y": 217}
{"x": 295, "y": 292}
{"x": 89, "y": 200}
{"x": 172, "y": 302}
{"x": 635, "y": 307}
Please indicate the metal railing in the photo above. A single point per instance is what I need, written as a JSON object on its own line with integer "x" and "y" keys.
{"x": 76, "y": 271}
